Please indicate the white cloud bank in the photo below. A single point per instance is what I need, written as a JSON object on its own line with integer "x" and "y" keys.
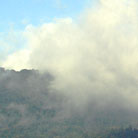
{"x": 99, "y": 54}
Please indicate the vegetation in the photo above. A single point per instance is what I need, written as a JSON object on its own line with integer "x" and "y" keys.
{"x": 29, "y": 109}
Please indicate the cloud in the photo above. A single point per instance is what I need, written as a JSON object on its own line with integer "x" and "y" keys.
{"x": 18, "y": 60}
{"x": 93, "y": 60}
{"x": 59, "y": 4}
{"x": 10, "y": 42}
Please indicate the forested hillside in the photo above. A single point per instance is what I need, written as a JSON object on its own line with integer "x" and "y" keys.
{"x": 30, "y": 107}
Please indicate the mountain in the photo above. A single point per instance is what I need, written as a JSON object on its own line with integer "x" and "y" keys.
{"x": 30, "y": 107}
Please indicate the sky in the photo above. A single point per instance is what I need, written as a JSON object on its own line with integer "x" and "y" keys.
{"x": 16, "y": 15}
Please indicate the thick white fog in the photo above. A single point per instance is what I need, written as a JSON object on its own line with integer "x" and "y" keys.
{"x": 94, "y": 60}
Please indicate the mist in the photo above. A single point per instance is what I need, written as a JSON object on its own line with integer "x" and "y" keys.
{"x": 93, "y": 63}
